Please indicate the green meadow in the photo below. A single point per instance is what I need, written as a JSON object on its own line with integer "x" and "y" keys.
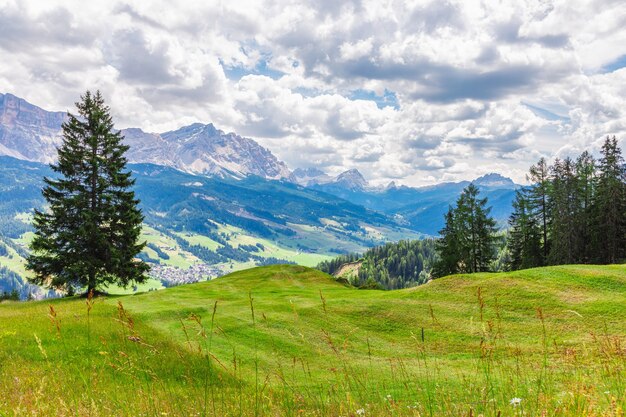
{"x": 291, "y": 341}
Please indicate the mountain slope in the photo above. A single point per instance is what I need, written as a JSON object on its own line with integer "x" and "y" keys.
{"x": 550, "y": 337}
{"x": 422, "y": 209}
{"x": 27, "y": 131}
{"x": 391, "y": 266}
{"x": 200, "y": 227}
{"x": 30, "y": 133}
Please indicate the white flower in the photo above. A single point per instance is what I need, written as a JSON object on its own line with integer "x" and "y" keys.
{"x": 515, "y": 401}
{"x": 360, "y": 412}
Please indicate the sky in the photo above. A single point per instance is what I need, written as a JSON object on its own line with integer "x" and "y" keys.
{"x": 416, "y": 92}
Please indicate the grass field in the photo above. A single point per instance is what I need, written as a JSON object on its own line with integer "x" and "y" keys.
{"x": 289, "y": 341}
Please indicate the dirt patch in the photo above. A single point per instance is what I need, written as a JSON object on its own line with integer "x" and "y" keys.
{"x": 349, "y": 270}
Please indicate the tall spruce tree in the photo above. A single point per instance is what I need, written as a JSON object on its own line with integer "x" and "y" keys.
{"x": 524, "y": 238}
{"x": 467, "y": 240}
{"x": 539, "y": 198}
{"x": 476, "y": 230}
{"x": 585, "y": 189}
{"x": 564, "y": 213}
{"x": 89, "y": 235}
{"x": 609, "y": 210}
{"x": 448, "y": 248}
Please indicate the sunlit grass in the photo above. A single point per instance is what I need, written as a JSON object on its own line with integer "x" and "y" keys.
{"x": 548, "y": 341}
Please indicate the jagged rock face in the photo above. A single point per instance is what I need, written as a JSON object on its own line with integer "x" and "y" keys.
{"x": 494, "y": 181}
{"x": 149, "y": 148}
{"x": 309, "y": 176}
{"x": 28, "y": 132}
{"x": 31, "y": 133}
{"x": 351, "y": 180}
{"x": 205, "y": 149}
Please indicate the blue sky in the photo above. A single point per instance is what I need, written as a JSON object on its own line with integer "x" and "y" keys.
{"x": 413, "y": 91}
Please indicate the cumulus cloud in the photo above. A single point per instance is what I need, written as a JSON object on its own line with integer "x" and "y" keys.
{"x": 476, "y": 87}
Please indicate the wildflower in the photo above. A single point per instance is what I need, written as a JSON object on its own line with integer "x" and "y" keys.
{"x": 360, "y": 412}
{"x": 515, "y": 401}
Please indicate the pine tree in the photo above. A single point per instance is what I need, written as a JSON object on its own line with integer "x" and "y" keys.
{"x": 585, "y": 189}
{"x": 524, "y": 238}
{"x": 475, "y": 231}
{"x": 467, "y": 240}
{"x": 610, "y": 205}
{"x": 539, "y": 198}
{"x": 447, "y": 247}
{"x": 564, "y": 212}
{"x": 88, "y": 237}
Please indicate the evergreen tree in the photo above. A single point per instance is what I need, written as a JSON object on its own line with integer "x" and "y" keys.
{"x": 585, "y": 189}
{"x": 609, "y": 210}
{"x": 475, "y": 230}
{"x": 89, "y": 235}
{"x": 447, "y": 247}
{"x": 564, "y": 213}
{"x": 467, "y": 242}
{"x": 524, "y": 238}
{"x": 539, "y": 198}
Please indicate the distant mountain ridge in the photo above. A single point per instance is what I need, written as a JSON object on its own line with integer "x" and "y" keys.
{"x": 30, "y": 133}
{"x": 494, "y": 180}
{"x": 423, "y": 208}
{"x": 351, "y": 179}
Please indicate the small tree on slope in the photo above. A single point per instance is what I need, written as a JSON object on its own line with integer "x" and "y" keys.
{"x": 467, "y": 240}
{"x": 89, "y": 235}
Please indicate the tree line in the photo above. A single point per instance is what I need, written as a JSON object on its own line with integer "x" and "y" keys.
{"x": 574, "y": 211}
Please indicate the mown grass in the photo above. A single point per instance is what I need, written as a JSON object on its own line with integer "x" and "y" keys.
{"x": 289, "y": 341}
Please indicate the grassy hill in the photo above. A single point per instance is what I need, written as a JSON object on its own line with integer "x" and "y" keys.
{"x": 290, "y": 341}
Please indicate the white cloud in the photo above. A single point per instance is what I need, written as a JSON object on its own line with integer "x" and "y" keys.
{"x": 360, "y": 49}
{"x": 465, "y": 75}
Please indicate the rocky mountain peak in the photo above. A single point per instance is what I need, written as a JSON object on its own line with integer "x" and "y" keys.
{"x": 202, "y": 148}
{"x": 309, "y": 176}
{"x": 351, "y": 179}
{"x": 30, "y": 133}
{"x": 494, "y": 180}
{"x": 27, "y": 131}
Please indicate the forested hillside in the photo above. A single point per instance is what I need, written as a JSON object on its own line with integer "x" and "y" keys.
{"x": 404, "y": 264}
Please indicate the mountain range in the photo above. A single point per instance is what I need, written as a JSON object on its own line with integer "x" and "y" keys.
{"x": 30, "y": 133}
{"x": 223, "y": 201}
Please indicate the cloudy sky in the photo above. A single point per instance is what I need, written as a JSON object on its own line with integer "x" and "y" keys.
{"x": 413, "y": 91}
